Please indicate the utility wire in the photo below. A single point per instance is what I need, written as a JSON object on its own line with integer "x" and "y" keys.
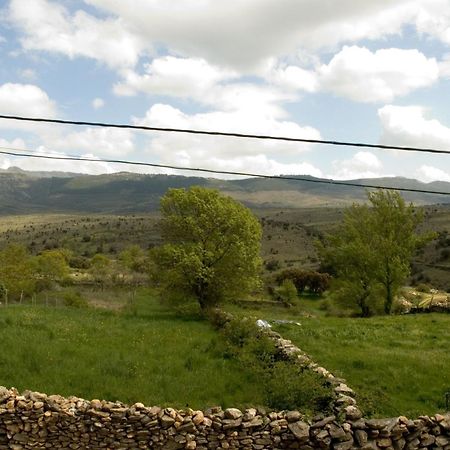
{"x": 15, "y": 152}
{"x": 223, "y": 133}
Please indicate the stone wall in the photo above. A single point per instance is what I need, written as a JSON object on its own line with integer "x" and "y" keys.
{"x": 33, "y": 420}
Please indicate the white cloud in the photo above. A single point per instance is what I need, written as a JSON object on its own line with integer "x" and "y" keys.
{"x": 26, "y": 100}
{"x": 48, "y": 26}
{"x": 105, "y": 142}
{"x": 361, "y": 75}
{"x": 293, "y": 78}
{"x": 361, "y": 165}
{"x": 245, "y": 33}
{"x": 219, "y": 152}
{"x": 179, "y": 77}
{"x": 408, "y": 126}
{"x": 98, "y": 103}
{"x": 429, "y": 173}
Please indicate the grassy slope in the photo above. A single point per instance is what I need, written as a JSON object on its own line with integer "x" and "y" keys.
{"x": 398, "y": 365}
{"x": 147, "y": 354}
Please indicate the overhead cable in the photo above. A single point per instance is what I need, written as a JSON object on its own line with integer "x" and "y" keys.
{"x": 28, "y": 154}
{"x": 228, "y": 134}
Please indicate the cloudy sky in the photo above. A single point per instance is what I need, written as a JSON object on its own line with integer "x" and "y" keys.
{"x": 376, "y": 71}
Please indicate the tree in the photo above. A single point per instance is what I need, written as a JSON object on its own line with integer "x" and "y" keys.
{"x": 371, "y": 251}
{"x": 51, "y": 265}
{"x": 17, "y": 270}
{"x": 212, "y": 246}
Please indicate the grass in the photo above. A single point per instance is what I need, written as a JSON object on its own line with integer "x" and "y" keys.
{"x": 398, "y": 365}
{"x": 146, "y": 353}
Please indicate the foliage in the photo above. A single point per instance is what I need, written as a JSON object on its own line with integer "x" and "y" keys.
{"x": 315, "y": 282}
{"x": 287, "y": 292}
{"x": 134, "y": 258}
{"x": 51, "y": 265}
{"x": 212, "y": 246}
{"x": 17, "y": 271}
{"x": 100, "y": 269}
{"x": 371, "y": 251}
{"x": 286, "y": 384}
{"x": 74, "y": 299}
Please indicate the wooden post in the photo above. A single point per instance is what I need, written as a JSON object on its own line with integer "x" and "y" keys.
{"x": 21, "y": 297}
{"x": 6, "y": 297}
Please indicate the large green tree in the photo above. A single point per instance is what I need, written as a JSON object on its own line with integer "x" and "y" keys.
{"x": 372, "y": 249}
{"x": 212, "y": 246}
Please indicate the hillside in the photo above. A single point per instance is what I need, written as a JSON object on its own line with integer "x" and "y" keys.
{"x": 36, "y": 192}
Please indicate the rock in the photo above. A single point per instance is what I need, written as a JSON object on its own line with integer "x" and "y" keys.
{"x": 442, "y": 441}
{"x": 352, "y": 412}
{"x": 384, "y": 442}
{"x": 361, "y": 437}
{"x": 198, "y": 417}
{"x": 342, "y": 388}
{"x": 343, "y": 445}
{"x": 336, "y": 432}
{"x": 300, "y": 430}
{"x": 249, "y": 414}
{"x": 233, "y": 413}
{"x": 293, "y": 416}
{"x": 323, "y": 422}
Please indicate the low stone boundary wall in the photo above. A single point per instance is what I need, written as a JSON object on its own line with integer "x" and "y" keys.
{"x": 36, "y": 421}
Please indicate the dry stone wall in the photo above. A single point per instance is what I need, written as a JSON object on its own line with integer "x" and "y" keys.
{"x": 35, "y": 421}
{"x": 32, "y": 420}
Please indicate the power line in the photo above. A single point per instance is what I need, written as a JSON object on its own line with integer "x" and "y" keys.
{"x": 228, "y": 134}
{"x": 15, "y": 152}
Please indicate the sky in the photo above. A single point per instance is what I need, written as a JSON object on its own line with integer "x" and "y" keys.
{"x": 375, "y": 71}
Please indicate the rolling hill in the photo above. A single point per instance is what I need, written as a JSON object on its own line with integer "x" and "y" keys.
{"x": 35, "y": 192}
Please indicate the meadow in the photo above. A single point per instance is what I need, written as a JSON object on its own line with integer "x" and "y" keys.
{"x": 145, "y": 352}
{"x": 398, "y": 365}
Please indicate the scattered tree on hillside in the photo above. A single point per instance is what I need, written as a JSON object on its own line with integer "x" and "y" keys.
{"x": 17, "y": 270}
{"x": 371, "y": 251}
{"x": 212, "y": 246}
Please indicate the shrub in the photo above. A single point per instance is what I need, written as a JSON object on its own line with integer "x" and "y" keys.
{"x": 272, "y": 265}
{"x": 287, "y": 292}
{"x": 315, "y": 282}
{"x": 423, "y": 287}
{"x": 74, "y": 300}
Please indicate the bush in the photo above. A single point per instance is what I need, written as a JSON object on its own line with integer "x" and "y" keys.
{"x": 272, "y": 265}
{"x": 74, "y": 300}
{"x": 287, "y": 292}
{"x": 423, "y": 287}
{"x": 290, "y": 387}
{"x": 315, "y": 282}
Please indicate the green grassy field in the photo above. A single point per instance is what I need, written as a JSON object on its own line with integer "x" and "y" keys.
{"x": 146, "y": 353}
{"x": 398, "y": 365}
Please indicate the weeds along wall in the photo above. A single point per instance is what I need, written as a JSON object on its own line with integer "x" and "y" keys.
{"x": 32, "y": 420}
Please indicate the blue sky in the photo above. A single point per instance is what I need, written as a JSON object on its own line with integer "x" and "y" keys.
{"x": 376, "y": 71}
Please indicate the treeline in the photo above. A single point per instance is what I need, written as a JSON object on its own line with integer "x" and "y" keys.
{"x": 23, "y": 274}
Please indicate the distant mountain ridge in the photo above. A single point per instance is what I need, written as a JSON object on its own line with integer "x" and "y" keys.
{"x": 124, "y": 192}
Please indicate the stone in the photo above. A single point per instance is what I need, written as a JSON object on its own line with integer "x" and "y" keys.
{"x": 323, "y": 422}
{"x": 342, "y": 388}
{"x": 361, "y": 437}
{"x": 198, "y": 417}
{"x": 343, "y": 445}
{"x": 300, "y": 430}
{"x": 191, "y": 445}
{"x": 293, "y": 416}
{"x": 384, "y": 442}
{"x": 336, "y": 432}
{"x": 233, "y": 413}
{"x": 442, "y": 441}
{"x": 352, "y": 412}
